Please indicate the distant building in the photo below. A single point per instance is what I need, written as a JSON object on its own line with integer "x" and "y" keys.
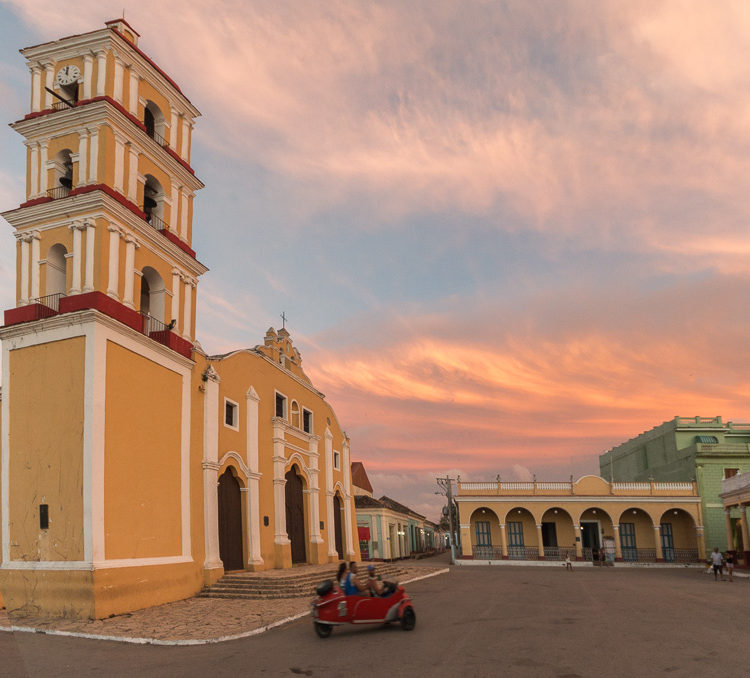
{"x": 387, "y": 529}
{"x": 735, "y": 497}
{"x": 703, "y": 449}
{"x": 631, "y": 522}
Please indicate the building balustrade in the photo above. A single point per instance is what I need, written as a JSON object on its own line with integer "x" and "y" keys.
{"x": 520, "y": 488}
{"x": 58, "y": 192}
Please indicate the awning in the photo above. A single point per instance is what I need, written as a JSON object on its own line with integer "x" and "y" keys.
{"x": 364, "y": 533}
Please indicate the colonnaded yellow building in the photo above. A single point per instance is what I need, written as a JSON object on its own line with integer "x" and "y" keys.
{"x": 136, "y": 468}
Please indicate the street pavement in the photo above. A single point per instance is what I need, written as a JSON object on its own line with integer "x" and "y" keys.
{"x": 473, "y": 621}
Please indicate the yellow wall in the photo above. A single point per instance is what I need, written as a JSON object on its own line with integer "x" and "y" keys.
{"x": 142, "y": 457}
{"x": 46, "y": 467}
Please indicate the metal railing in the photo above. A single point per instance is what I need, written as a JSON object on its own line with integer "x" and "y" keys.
{"x": 158, "y": 138}
{"x": 50, "y": 301}
{"x": 487, "y": 553}
{"x": 680, "y": 555}
{"x": 639, "y": 555}
{"x": 61, "y": 106}
{"x": 153, "y": 220}
{"x": 58, "y": 192}
{"x": 523, "y": 553}
{"x": 153, "y": 326}
{"x": 559, "y": 552}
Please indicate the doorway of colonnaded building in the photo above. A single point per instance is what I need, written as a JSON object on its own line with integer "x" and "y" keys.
{"x": 558, "y": 535}
{"x": 486, "y": 542}
{"x": 521, "y": 533}
{"x": 597, "y": 531}
{"x": 637, "y": 540}
{"x": 295, "y": 514}
{"x": 679, "y": 537}
{"x": 338, "y": 507}
{"x": 230, "y": 521}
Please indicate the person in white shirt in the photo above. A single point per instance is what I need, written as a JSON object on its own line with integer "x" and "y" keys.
{"x": 717, "y": 563}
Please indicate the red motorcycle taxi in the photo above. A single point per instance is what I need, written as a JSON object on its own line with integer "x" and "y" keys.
{"x": 331, "y": 608}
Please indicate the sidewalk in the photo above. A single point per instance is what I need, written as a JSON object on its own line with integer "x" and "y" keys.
{"x": 188, "y": 622}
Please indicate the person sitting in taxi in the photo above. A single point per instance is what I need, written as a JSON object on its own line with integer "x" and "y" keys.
{"x": 373, "y": 582}
{"x": 352, "y": 585}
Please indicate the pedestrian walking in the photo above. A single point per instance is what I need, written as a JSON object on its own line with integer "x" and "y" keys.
{"x": 568, "y": 564}
{"x": 717, "y": 563}
{"x": 730, "y": 565}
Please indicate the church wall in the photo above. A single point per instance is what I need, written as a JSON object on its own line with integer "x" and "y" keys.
{"x": 142, "y": 457}
{"x": 47, "y": 467}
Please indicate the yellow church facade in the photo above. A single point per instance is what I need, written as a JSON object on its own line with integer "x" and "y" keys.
{"x": 135, "y": 468}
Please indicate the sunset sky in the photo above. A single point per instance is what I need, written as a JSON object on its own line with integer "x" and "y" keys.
{"x": 506, "y": 235}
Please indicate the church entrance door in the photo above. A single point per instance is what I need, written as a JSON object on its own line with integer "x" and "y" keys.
{"x": 337, "y": 526}
{"x": 295, "y": 515}
{"x": 230, "y": 522}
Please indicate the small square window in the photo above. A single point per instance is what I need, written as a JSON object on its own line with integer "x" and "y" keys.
{"x": 337, "y": 460}
{"x": 306, "y": 420}
{"x": 730, "y": 472}
{"x": 231, "y": 414}
{"x": 280, "y": 406}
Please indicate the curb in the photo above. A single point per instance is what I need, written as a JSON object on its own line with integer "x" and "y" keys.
{"x": 191, "y": 641}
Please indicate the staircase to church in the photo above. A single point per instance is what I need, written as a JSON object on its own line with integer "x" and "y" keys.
{"x": 261, "y": 585}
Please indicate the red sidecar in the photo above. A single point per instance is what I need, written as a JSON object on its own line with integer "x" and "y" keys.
{"x": 331, "y": 607}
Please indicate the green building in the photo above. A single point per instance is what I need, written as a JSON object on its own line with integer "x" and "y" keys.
{"x": 703, "y": 449}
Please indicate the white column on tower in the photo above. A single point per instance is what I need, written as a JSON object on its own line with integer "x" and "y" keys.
{"x": 88, "y": 282}
{"x": 94, "y": 156}
{"x": 253, "y": 480}
{"x": 119, "y": 73}
{"x": 49, "y": 73}
{"x": 185, "y": 138}
{"x": 173, "y": 129}
{"x": 176, "y": 278}
{"x": 174, "y": 207}
{"x": 133, "y": 173}
{"x": 36, "y": 87}
{"x": 33, "y": 169}
{"x": 75, "y": 286}
{"x": 35, "y": 240}
{"x": 83, "y": 155}
{"x": 24, "y": 238}
{"x": 101, "y": 73}
{"x": 183, "y": 213}
{"x": 130, "y": 246}
{"x": 119, "y": 162}
{"x": 88, "y": 74}
{"x": 43, "y": 167}
{"x": 113, "y": 284}
{"x": 188, "y": 308}
{"x": 133, "y": 93}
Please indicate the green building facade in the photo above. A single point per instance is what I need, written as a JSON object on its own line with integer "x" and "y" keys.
{"x": 703, "y": 449}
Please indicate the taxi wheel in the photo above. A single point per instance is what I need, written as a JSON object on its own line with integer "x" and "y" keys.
{"x": 408, "y": 619}
{"x": 323, "y": 630}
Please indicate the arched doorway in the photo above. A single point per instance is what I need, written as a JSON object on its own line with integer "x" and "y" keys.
{"x": 337, "y": 526}
{"x": 485, "y": 534}
{"x": 230, "y": 521}
{"x": 295, "y": 515}
{"x": 679, "y": 541}
{"x": 520, "y": 530}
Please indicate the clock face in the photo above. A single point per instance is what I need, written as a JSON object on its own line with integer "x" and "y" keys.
{"x": 68, "y": 75}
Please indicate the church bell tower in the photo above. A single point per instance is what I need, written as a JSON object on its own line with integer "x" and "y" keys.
{"x": 97, "y": 353}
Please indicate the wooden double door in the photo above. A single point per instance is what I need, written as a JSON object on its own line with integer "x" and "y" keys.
{"x": 295, "y": 515}
{"x": 230, "y": 522}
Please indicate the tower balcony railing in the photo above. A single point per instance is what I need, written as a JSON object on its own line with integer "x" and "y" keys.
{"x": 61, "y": 106}
{"x": 157, "y": 222}
{"x": 58, "y": 192}
{"x": 44, "y": 307}
{"x": 158, "y": 138}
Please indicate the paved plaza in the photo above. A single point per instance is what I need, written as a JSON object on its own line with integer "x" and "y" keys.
{"x": 474, "y": 621}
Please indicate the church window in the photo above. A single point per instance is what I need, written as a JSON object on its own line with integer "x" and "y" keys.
{"x": 63, "y": 169}
{"x": 280, "y": 405}
{"x": 231, "y": 414}
{"x": 152, "y": 300}
{"x": 295, "y": 414}
{"x": 153, "y": 203}
{"x": 55, "y": 271}
{"x": 306, "y": 420}
{"x": 337, "y": 460}
{"x": 154, "y": 122}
